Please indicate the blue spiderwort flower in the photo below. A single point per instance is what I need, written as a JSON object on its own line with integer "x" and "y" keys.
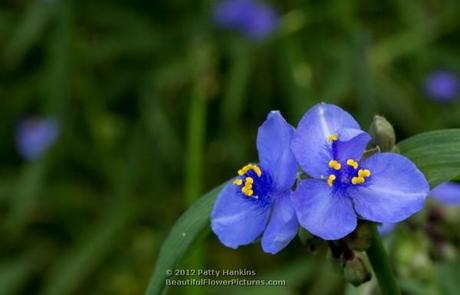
{"x": 257, "y": 202}
{"x": 447, "y": 193}
{"x": 386, "y": 228}
{"x": 442, "y": 86}
{"x": 255, "y": 20}
{"x": 385, "y": 187}
{"x": 35, "y": 136}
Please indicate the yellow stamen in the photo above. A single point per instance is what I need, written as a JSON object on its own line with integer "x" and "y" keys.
{"x": 247, "y": 190}
{"x": 364, "y": 173}
{"x": 238, "y": 181}
{"x": 352, "y": 163}
{"x": 331, "y": 179}
{"x": 248, "y": 181}
{"x": 243, "y": 170}
{"x": 332, "y": 138}
{"x": 248, "y": 167}
{"x": 334, "y": 165}
{"x": 256, "y": 169}
{"x": 357, "y": 180}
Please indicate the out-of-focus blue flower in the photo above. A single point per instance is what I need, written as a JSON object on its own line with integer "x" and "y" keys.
{"x": 384, "y": 188}
{"x": 35, "y": 136}
{"x": 386, "y": 228}
{"x": 255, "y": 20}
{"x": 442, "y": 86}
{"x": 257, "y": 202}
{"x": 447, "y": 193}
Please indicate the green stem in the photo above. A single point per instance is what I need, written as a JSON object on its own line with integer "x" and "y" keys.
{"x": 380, "y": 264}
{"x": 194, "y": 167}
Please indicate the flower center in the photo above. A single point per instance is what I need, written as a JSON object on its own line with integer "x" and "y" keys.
{"x": 350, "y": 174}
{"x": 254, "y": 182}
{"x": 347, "y": 173}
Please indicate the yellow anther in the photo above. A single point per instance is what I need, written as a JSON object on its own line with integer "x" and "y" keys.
{"x": 247, "y": 190}
{"x": 332, "y": 138}
{"x": 243, "y": 170}
{"x": 248, "y": 167}
{"x": 331, "y": 179}
{"x": 256, "y": 169}
{"x": 238, "y": 181}
{"x": 352, "y": 163}
{"x": 249, "y": 180}
{"x": 357, "y": 180}
{"x": 364, "y": 173}
{"x": 334, "y": 165}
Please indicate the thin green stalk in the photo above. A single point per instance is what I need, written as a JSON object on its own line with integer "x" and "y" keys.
{"x": 29, "y": 188}
{"x": 236, "y": 87}
{"x": 362, "y": 73}
{"x": 194, "y": 166}
{"x": 380, "y": 264}
{"x": 196, "y": 125}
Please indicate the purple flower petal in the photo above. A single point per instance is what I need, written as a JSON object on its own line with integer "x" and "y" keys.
{"x": 311, "y": 144}
{"x": 323, "y": 211}
{"x": 351, "y": 144}
{"x": 447, "y": 193}
{"x": 282, "y": 227}
{"x": 237, "y": 219}
{"x": 262, "y": 23}
{"x": 442, "y": 86}
{"x": 395, "y": 190}
{"x": 233, "y": 13}
{"x": 254, "y": 20}
{"x": 273, "y": 144}
{"x": 35, "y": 136}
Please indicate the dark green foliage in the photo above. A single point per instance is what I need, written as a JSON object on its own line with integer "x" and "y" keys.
{"x": 150, "y": 94}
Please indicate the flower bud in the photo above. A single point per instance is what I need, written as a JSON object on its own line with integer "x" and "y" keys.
{"x": 336, "y": 263}
{"x": 383, "y": 134}
{"x": 356, "y": 271}
{"x": 360, "y": 238}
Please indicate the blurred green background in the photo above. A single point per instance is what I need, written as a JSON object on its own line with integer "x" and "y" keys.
{"x": 157, "y": 105}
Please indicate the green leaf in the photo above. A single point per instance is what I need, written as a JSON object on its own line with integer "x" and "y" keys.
{"x": 447, "y": 277}
{"x": 187, "y": 228}
{"x": 436, "y": 154}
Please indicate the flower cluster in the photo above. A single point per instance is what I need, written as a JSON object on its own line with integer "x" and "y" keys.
{"x": 341, "y": 184}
